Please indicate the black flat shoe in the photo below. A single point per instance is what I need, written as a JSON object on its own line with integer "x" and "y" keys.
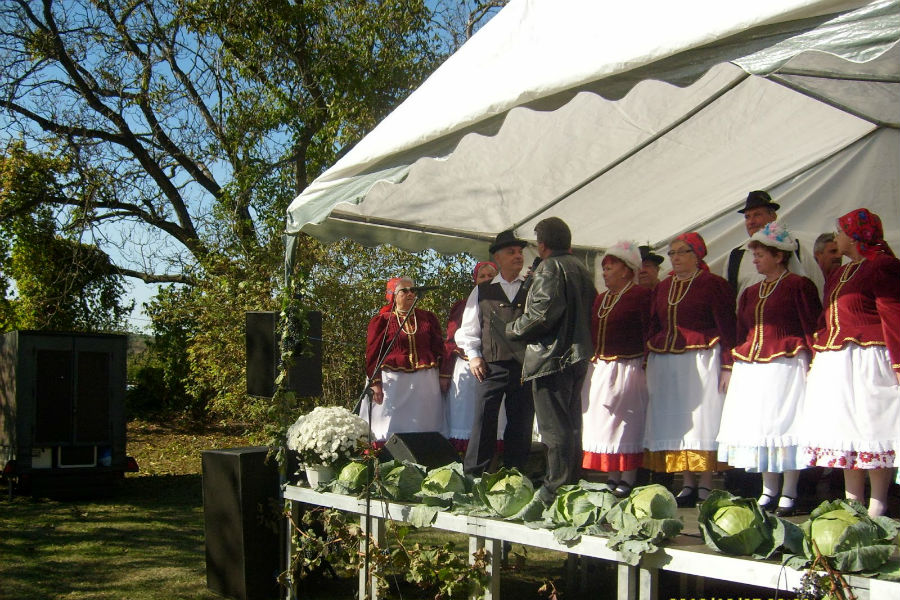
{"x": 622, "y": 490}
{"x": 787, "y": 511}
{"x": 688, "y": 500}
{"x": 767, "y": 505}
{"x": 705, "y": 496}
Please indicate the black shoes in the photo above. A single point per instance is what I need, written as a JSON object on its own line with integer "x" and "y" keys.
{"x": 687, "y": 497}
{"x": 769, "y": 501}
{"x": 786, "y": 511}
{"x": 691, "y": 497}
{"x": 622, "y": 490}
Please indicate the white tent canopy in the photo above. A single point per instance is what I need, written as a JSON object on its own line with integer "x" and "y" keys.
{"x": 636, "y": 120}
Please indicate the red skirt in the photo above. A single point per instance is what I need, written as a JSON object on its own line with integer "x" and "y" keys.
{"x": 612, "y": 462}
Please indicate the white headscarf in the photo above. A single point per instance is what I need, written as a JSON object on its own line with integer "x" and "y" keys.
{"x": 629, "y": 253}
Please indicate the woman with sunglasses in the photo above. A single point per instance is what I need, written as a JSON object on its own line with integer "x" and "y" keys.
{"x": 690, "y": 337}
{"x": 406, "y": 390}
{"x": 851, "y": 417}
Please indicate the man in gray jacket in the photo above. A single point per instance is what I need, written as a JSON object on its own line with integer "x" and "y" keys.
{"x": 556, "y": 326}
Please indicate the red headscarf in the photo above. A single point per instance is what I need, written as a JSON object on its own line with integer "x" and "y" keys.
{"x": 389, "y": 294}
{"x": 697, "y": 245}
{"x": 483, "y": 263}
{"x": 864, "y": 228}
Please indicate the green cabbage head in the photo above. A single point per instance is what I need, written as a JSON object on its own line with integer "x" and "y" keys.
{"x": 653, "y": 502}
{"x": 828, "y": 530}
{"x": 505, "y": 492}
{"x": 351, "y": 479}
{"x": 851, "y": 541}
{"x": 444, "y": 485}
{"x": 742, "y": 529}
{"x": 737, "y": 525}
{"x": 400, "y": 480}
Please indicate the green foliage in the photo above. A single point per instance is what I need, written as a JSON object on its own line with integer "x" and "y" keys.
{"x": 61, "y": 283}
{"x": 346, "y": 283}
{"x": 326, "y": 534}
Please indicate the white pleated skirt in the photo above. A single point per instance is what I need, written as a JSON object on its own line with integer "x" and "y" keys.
{"x": 685, "y": 404}
{"x": 461, "y": 403}
{"x": 412, "y": 403}
{"x": 614, "y": 406}
{"x": 851, "y": 416}
{"x": 759, "y": 419}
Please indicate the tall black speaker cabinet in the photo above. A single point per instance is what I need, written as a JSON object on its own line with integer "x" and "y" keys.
{"x": 241, "y": 517}
{"x": 305, "y": 375}
{"x": 62, "y": 413}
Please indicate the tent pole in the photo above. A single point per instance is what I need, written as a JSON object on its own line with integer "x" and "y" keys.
{"x": 825, "y": 100}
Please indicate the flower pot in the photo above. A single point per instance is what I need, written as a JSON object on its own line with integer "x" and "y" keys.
{"x": 318, "y": 475}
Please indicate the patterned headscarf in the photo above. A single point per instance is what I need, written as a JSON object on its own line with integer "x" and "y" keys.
{"x": 389, "y": 294}
{"x": 864, "y": 228}
{"x": 483, "y": 263}
{"x": 697, "y": 245}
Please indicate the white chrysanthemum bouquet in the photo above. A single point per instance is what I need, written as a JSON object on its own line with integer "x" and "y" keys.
{"x": 327, "y": 436}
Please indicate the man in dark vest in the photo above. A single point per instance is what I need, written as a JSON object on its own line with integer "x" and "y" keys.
{"x": 758, "y": 211}
{"x": 496, "y": 362}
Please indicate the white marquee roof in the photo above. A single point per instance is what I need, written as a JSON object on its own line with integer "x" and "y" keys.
{"x": 638, "y": 120}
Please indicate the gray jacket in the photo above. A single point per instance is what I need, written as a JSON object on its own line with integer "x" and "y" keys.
{"x": 556, "y": 322}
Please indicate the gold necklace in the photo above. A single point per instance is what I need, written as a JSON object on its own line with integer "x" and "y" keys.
{"x": 855, "y": 267}
{"x": 606, "y": 306}
{"x": 672, "y": 300}
{"x": 774, "y": 285}
{"x": 407, "y": 328}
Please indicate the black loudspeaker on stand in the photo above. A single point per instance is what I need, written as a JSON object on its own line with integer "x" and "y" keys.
{"x": 305, "y": 375}
{"x": 240, "y": 514}
{"x": 429, "y": 449}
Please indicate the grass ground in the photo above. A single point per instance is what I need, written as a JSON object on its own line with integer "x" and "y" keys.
{"x": 146, "y": 540}
{"x": 143, "y": 542}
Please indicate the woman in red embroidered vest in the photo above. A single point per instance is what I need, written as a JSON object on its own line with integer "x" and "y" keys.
{"x": 691, "y": 334}
{"x": 406, "y": 390}
{"x": 461, "y": 395}
{"x": 614, "y": 396}
{"x": 776, "y": 323}
{"x": 851, "y": 419}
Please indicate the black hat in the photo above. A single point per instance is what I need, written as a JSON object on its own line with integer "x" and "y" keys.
{"x": 758, "y": 198}
{"x": 646, "y": 254}
{"x": 506, "y": 238}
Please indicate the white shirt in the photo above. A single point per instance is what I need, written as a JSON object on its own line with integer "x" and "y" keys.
{"x": 468, "y": 336}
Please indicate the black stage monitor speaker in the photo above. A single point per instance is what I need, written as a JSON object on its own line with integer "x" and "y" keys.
{"x": 240, "y": 514}
{"x": 305, "y": 375}
{"x": 429, "y": 449}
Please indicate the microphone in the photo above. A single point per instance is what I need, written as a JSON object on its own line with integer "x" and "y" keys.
{"x": 424, "y": 288}
{"x": 526, "y": 285}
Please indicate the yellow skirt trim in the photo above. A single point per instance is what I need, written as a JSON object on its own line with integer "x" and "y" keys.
{"x": 674, "y": 461}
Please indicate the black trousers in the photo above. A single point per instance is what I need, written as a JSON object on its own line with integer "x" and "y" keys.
{"x": 557, "y": 403}
{"x": 503, "y": 382}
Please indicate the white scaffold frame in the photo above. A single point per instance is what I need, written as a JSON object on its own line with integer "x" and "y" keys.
{"x": 683, "y": 555}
